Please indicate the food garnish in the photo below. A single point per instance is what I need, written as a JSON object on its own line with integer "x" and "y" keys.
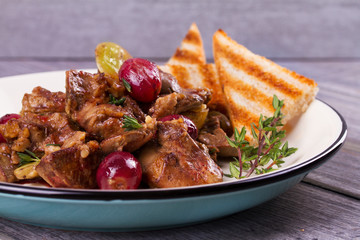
{"x": 192, "y": 129}
{"x": 52, "y": 144}
{"x": 126, "y": 85}
{"x": 130, "y": 123}
{"x": 270, "y": 148}
{"x": 115, "y": 101}
{"x": 27, "y": 157}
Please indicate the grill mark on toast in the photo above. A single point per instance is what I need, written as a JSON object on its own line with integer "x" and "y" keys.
{"x": 193, "y": 37}
{"x": 181, "y": 74}
{"x": 209, "y": 80}
{"x": 301, "y": 78}
{"x": 186, "y": 56}
{"x": 255, "y": 70}
{"x": 240, "y": 115}
{"x": 247, "y": 91}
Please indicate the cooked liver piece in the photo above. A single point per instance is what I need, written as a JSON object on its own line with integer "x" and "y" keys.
{"x": 87, "y": 102}
{"x": 42, "y": 100}
{"x": 67, "y": 168}
{"x": 176, "y": 160}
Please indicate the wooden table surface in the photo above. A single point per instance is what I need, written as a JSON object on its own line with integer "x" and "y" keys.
{"x": 318, "y": 39}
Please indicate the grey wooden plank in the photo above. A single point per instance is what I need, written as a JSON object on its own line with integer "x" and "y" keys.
{"x": 274, "y": 28}
{"x": 304, "y": 212}
{"x": 339, "y": 85}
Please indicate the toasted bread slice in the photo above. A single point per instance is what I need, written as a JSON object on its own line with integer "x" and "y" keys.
{"x": 249, "y": 82}
{"x": 189, "y": 67}
{"x": 191, "y": 50}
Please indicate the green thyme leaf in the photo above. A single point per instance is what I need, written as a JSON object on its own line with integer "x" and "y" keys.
{"x": 242, "y": 134}
{"x": 261, "y": 121}
{"x": 130, "y": 123}
{"x": 269, "y": 129}
{"x": 270, "y": 150}
{"x": 275, "y": 102}
{"x": 115, "y": 101}
{"x": 267, "y": 122}
{"x": 290, "y": 151}
{"x": 32, "y": 154}
{"x": 277, "y": 113}
{"x": 284, "y": 147}
{"x": 27, "y": 157}
{"x": 213, "y": 150}
{"x": 264, "y": 160}
{"x": 253, "y": 131}
{"x": 234, "y": 171}
{"x": 246, "y": 166}
{"x": 126, "y": 85}
{"x": 236, "y": 135}
{"x": 24, "y": 157}
{"x": 231, "y": 142}
{"x": 52, "y": 144}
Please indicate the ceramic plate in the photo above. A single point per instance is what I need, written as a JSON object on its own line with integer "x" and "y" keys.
{"x": 318, "y": 135}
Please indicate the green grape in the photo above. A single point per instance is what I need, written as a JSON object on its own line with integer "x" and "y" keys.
{"x": 109, "y": 58}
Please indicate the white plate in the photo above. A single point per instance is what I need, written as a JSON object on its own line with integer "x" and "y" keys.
{"x": 318, "y": 135}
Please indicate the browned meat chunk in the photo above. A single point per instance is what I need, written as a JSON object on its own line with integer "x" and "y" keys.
{"x": 130, "y": 140}
{"x": 43, "y": 101}
{"x": 214, "y": 136}
{"x": 83, "y": 88}
{"x": 176, "y": 100}
{"x": 176, "y": 160}
{"x": 169, "y": 83}
{"x": 44, "y": 111}
{"x": 6, "y": 166}
{"x": 87, "y": 104}
{"x": 56, "y": 129}
{"x": 176, "y": 103}
{"x": 21, "y": 135}
{"x": 73, "y": 167}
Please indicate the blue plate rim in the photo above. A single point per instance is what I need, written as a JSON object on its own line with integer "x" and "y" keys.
{"x": 200, "y": 190}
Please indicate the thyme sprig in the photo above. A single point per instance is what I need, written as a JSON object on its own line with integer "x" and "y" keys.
{"x": 52, "y": 144}
{"x": 270, "y": 150}
{"x": 130, "y": 123}
{"x": 27, "y": 157}
{"x": 115, "y": 101}
{"x": 127, "y": 85}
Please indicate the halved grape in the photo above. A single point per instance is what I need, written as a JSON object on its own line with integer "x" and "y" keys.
{"x": 4, "y": 119}
{"x": 141, "y": 79}
{"x": 109, "y": 58}
{"x": 119, "y": 170}
{"x": 192, "y": 129}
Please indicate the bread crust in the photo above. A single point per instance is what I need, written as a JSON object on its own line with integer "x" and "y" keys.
{"x": 250, "y": 81}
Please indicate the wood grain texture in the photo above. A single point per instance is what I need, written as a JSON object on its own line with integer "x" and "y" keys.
{"x": 273, "y": 28}
{"x": 339, "y": 85}
{"x": 304, "y": 212}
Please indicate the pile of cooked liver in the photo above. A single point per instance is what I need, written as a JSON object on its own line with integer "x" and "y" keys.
{"x": 72, "y": 132}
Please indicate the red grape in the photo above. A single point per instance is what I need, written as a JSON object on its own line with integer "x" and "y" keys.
{"x": 119, "y": 170}
{"x": 9, "y": 116}
{"x": 143, "y": 78}
{"x": 192, "y": 129}
{"x": 4, "y": 120}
